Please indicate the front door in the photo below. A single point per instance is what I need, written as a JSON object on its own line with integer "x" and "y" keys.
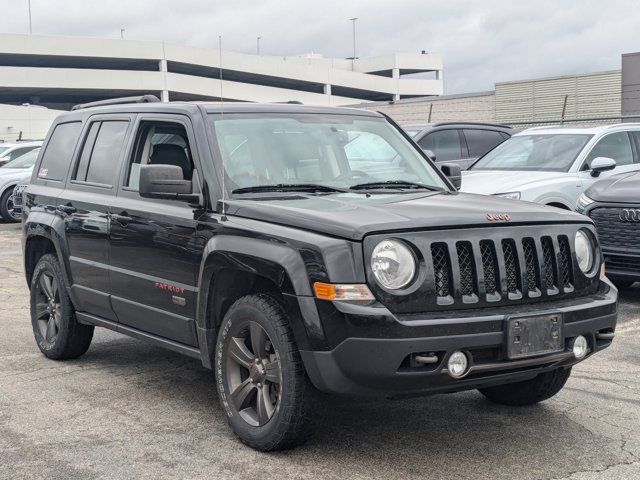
{"x": 153, "y": 248}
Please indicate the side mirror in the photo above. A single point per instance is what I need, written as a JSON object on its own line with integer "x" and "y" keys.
{"x": 430, "y": 154}
{"x": 453, "y": 172}
{"x": 167, "y": 182}
{"x": 601, "y": 164}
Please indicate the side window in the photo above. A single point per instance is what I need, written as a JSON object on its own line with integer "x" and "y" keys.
{"x": 444, "y": 143}
{"x": 616, "y": 146}
{"x": 18, "y": 152}
{"x": 57, "y": 154}
{"x": 160, "y": 143}
{"x": 480, "y": 141}
{"x": 101, "y": 151}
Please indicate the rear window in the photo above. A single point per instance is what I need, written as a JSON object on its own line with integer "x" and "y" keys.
{"x": 58, "y": 152}
{"x": 480, "y": 141}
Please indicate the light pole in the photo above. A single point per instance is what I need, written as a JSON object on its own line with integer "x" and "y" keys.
{"x": 353, "y": 22}
{"x": 121, "y": 33}
{"x": 259, "y": 45}
{"x": 29, "y": 6}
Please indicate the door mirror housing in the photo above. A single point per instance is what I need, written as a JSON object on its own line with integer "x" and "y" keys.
{"x": 166, "y": 182}
{"x": 453, "y": 172}
{"x": 601, "y": 164}
{"x": 430, "y": 154}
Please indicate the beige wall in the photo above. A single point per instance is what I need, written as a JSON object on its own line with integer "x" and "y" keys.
{"x": 31, "y": 120}
{"x": 476, "y": 107}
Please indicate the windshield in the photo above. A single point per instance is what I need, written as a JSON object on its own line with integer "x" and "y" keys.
{"x": 24, "y": 161}
{"x": 553, "y": 152}
{"x": 324, "y": 150}
{"x": 3, "y": 149}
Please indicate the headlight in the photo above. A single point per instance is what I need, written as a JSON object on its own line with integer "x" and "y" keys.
{"x": 511, "y": 195}
{"x": 584, "y": 251}
{"x": 393, "y": 264}
{"x": 584, "y": 202}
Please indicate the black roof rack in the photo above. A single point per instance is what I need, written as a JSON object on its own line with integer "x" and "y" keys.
{"x": 483, "y": 124}
{"x": 118, "y": 101}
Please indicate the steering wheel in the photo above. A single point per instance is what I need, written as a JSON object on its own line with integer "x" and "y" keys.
{"x": 352, "y": 175}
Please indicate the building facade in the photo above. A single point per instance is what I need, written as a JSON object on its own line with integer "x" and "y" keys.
{"x": 59, "y": 72}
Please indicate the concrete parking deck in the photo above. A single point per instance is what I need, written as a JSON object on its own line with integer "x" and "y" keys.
{"x": 132, "y": 410}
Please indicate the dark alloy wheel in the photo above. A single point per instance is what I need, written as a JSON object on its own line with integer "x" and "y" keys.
{"x": 48, "y": 308}
{"x": 7, "y": 211}
{"x": 55, "y": 328}
{"x": 262, "y": 384}
{"x": 253, "y": 374}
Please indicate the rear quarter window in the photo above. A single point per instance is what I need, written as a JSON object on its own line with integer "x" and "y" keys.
{"x": 59, "y": 150}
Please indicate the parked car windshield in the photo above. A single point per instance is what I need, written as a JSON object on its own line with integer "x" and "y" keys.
{"x": 325, "y": 150}
{"x": 553, "y": 152}
{"x": 27, "y": 160}
{"x": 3, "y": 149}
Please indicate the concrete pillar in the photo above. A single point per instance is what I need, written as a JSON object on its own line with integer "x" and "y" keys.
{"x": 395, "y": 73}
{"x": 162, "y": 66}
{"x": 164, "y": 95}
{"x": 327, "y": 92}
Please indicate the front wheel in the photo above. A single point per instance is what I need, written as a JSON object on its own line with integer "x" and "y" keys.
{"x": 263, "y": 388}
{"x": 7, "y": 212}
{"x": 538, "y": 389}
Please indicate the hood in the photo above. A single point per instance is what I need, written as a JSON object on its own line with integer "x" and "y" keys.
{"x": 15, "y": 172}
{"x": 353, "y": 215}
{"x": 622, "y": 188}
{"x": 489, "y": 182}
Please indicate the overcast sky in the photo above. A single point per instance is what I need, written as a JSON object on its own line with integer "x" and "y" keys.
{"x": 482, "y": 42}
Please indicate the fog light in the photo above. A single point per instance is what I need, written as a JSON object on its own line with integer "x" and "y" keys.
{"x": 580, "y": 347}
{"x": 457, "y": 364}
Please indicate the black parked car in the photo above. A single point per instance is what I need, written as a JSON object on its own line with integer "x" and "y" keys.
{"x": 613, "y": 203}
{"x": 458, "y": 142}
{"x": 297, "y": 250}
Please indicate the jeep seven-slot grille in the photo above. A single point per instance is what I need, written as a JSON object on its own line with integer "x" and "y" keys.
{"x": 547, "y": 266}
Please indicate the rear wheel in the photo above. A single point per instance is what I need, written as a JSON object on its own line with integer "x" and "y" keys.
{"x": 6, "y": 207}
{"x": 57, "y": 332}
{"x": 538, "y": 389}
{"x": 263, "y": 388}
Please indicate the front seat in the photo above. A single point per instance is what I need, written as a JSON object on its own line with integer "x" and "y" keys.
{"x": 169, "y": 154}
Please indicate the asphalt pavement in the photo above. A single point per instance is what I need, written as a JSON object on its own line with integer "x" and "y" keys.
{"x": 127, "y": 409}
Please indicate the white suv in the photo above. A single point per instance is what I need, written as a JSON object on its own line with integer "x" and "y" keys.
{"x": 554, "y": 165}
{"x": 10, "y": 151}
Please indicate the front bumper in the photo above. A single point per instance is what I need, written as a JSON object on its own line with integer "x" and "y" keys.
{"x": 387, "y": 367}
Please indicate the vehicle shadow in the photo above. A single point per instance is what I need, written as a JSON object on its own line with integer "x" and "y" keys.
{"x": 461, "y": 435}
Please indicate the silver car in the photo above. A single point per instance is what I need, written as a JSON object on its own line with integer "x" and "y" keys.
{"x": 554, "y": 165}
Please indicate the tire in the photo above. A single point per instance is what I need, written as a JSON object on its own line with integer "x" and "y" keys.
{"x": 622, "y": 283}
{"x": 57, "y": 332}
{"x": 529, "y": 392}
{"x": 6, "y": 206}
{"x": 263, "y": 413}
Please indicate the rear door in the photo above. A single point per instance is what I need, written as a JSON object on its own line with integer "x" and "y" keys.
{"x": 479, "y": 141}
{"x": 447, "y": 145}
{"x": 84, "y": 205}
{"x": 154, "y": 249}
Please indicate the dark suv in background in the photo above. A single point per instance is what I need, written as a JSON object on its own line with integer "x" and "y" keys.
{"x": 613, "y": 204}
{"x": 458, "y": 142}
{"x": 297, "y": 250}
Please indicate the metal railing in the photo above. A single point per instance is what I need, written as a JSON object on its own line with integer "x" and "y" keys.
{"x": 604, "y": 120}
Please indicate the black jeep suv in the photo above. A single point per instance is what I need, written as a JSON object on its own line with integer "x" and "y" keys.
{"x": 299, "y": 250}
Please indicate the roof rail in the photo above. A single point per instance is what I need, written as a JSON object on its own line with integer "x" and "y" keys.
{"x": 117, "y": 101}
{"x": 439, "y": 124}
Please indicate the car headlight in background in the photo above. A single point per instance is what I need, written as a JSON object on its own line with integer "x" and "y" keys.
{"x": 511, "y": 195}
{"x": 583, "y": 202}
{"x": 393, "y": 264}
{"x": 584, "y": 251}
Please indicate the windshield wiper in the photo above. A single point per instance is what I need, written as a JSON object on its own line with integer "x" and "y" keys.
{"x": 289, "y": 187}
{"x": 395, "y": 184}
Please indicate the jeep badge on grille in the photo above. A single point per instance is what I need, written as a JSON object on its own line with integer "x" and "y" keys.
{"x": 498, "y": 217}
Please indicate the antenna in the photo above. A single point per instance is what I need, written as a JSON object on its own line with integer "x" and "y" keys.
{"x": 224, "y": 172}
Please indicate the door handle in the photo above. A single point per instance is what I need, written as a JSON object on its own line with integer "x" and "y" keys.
{"x": 122, "y": 219}
{"x": 68, "y": 209}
